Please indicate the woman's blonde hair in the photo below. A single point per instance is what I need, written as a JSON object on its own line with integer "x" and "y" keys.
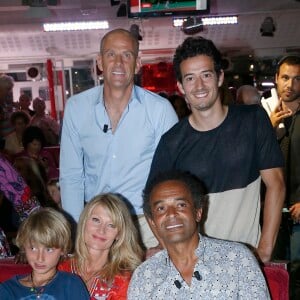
{"x": 125, "y": 253}
{"x": 47, "y": 227}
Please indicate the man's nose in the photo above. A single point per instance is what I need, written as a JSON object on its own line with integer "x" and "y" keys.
{"x": 171, "y": 211}
{"x": 199, "y": 82}
{"x": 119, "y": 58}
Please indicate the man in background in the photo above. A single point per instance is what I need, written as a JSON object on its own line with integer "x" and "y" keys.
{"x": 286, "y": 120}
{"x": 24, "y": 103}
{"x": 247, "y": 94}
{"x": 6, "y": 106}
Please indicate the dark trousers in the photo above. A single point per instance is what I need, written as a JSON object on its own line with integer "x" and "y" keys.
{"x": 288, "y": 248}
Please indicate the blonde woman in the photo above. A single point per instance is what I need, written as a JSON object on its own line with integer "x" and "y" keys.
{"x": 107, "y": 249}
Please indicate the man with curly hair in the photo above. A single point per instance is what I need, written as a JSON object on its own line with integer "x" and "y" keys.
{"x": 231, "y": 148}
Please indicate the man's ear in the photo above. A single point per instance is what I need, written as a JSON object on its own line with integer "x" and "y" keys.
{"x": 198, "y": 214}
{"x": 180, "y": 87}
{"x": 99, "y": 62}
{"x": 138, "y": 65}
{"x": 276, "y": 78}
{"x": 151, "y": 222}
{"x": 221, "y": 78}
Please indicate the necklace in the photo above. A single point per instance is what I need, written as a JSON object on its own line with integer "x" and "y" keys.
{"x": 38, "y": 291}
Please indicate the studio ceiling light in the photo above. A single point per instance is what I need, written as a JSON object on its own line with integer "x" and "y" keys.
{"x": 220, "y": 20}
{"x": 227, "y": 20}
{"x": 267, "y": 27}
{"x": 69, "y": 26}
{"x": 192, "y": 25}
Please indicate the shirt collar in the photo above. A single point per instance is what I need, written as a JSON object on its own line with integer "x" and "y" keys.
{"x": 199, "y": 251}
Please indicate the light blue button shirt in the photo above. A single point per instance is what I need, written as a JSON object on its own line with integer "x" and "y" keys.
{"x": 93, "y": 161}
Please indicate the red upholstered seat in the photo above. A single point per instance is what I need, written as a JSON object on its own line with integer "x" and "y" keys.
{"x": 9, "y": 269}
{"x": 54, "y": 150}
{"x": 278, "y": 281}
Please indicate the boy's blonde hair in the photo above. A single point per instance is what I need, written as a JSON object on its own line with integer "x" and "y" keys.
{"x": 47, "y": 227}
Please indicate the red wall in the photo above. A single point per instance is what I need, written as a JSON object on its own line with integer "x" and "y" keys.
{"x": 159, "y": 77}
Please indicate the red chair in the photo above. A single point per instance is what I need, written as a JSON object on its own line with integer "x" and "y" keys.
{"x": 277, "y": 278}
{"x": 54, "y": 150}
{"x": 8, "y": 269}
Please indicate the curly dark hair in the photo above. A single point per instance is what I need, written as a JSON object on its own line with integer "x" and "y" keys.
{"x": 193, "y": 184}
{"x": 33, "y": 133}
{"x": 193, "y": 46}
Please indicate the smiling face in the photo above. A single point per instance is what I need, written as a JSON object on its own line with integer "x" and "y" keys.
{"x": 288, "y": 82}
{"x": 118, "y": 60}
{"x": 42, "y": 259}
{"x": 100, "y": 232}
{"x": 174, "y": 215}
{"x": 200, "y": 83}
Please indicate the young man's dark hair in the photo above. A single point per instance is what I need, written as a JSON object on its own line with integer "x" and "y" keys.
{"x": 194, "y": 46}
{"x": 292, "y": 60}
{"x": 193, "y": 184}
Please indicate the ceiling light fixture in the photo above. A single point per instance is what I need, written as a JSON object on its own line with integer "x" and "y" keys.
{"x": 69, "y": 26}
{"x": 135, "y": 31}
{"x": 192, "y": 25}
{"x": 268, "y": 27}
{"x": 220, "y": 20}
{"x": 177, "y": 22}
{"x": 267, "y": 84}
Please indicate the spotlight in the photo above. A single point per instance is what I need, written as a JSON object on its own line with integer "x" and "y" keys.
{"x": 114, "y": 2}
{"x": 135, "y": 31}
{"x": 122, "y": 10}
{"x": 267, "y": 27}
{"x": 192, "y": 25}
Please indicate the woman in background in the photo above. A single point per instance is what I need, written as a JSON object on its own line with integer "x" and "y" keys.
{"x": 34, "y": 143}
{"x": 13, "y": 142}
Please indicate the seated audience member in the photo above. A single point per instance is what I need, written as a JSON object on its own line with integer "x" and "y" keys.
{"x": 35, "y": 176}
{"x": 48, "y": 125}
{"x": 34, "y": 142}
{"x": 6, "y": 104}
{"x": 24, "y": 103}
{"x": 106, "y": 248}
{"x": 16, "y": 190}
{"x": 4, "y": 246}
{"x": 44, "y": 237}
{"x": 179, "y": 105}
{"x": 54, "y": 191}
{"x": 247, "y": 94}
{"x": 192, "y": 266}
{"x": 13, "y": 142}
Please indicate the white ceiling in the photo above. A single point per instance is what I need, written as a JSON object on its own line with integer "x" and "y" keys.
{"x": 23, "y": 40}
